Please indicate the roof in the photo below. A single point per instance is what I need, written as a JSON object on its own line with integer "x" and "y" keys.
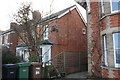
{"x": 23, "y": 45}
{"x": 5, "y": 46}
{"x": 46, "y": 42}
{"x": 83, "y": 3}
{"x": 43, "y": 42}
{"x": 7, "y": 31}
{"x": 60, "y": 14}
{"x": 55, "y": 15}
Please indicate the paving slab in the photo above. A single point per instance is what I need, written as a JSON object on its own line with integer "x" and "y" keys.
{"x": 78, "y": 75}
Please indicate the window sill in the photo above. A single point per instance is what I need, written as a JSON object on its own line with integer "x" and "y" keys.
{"x": 112, "y": 68}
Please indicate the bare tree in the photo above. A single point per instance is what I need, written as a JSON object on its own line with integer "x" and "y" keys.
{"x": 27, "y": 30}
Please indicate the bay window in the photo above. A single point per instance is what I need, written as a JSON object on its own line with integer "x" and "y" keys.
{"x": 116, "y": 42}
{"x": 105, "y": 50}
{"x": 115, "y": 5}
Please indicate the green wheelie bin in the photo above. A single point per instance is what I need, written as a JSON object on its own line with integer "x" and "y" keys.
{"x": 23, "y": 71}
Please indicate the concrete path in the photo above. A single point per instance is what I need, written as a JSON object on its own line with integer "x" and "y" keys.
{"x": 78, "y": 75}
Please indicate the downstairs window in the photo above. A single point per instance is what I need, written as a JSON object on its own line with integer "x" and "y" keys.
{"x": 116, "y": 43}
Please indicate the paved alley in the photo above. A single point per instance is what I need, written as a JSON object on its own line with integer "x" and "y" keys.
{"x": 78, "y": 75}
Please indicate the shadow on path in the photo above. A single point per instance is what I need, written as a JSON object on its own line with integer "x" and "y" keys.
{"x": 78, "y": 75}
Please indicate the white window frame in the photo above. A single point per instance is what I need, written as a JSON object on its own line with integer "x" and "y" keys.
{"x": 105, "y": 50}
{"x": 88, "y": 6}
{"x": 23, "y": 36}
{"x": 1, "y": 39}
{"x": 116, "y": 65}
{"x": 33, "y": 33}
{"x": 46, "y": 53}
{"x": 111, "y": 7}
{"x": 102, "y": 6}
{"x": 5, "y": 38}
{"x": 46, "y": 32}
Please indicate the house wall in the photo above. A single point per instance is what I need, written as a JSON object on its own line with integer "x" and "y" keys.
{"x": 98, "y": 25}
{"x": 69, "y": 36}
{"x": 94, "y": 43}
{"x": 2, "y": 39}
{"x": 111, "y": 26}
{"x": 10, "y": 38}
{"x": 13, "y": 39}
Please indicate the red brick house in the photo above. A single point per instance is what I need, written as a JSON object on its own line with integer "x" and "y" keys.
{"x": 66, "y": 29}
{"x": 10, "y": 39}
{"x": 103, "y": 37}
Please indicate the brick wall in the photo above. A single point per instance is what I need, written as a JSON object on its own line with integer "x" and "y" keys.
{"x": 111, "y": 24}
{"x": 14, "y": 42}
{"x": 69, "y": 36}
{"x": 106, "y": 26}
{"x": 115, "y": 20}
{"x": 94, "y": 47}
{"x": 2, "y": 39}
{"x": 110, "y": 73}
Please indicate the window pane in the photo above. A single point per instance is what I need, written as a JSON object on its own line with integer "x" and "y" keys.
{"x": 33, "y": 33}
{"x": 117, "y": 40}
{"x": 115, "y": 5}
{"x": 46, "y": 32}
{"x": 102, "y": 4}
{"x": 105, "y": 50}
{"x": 88, "y": 5}
{"x": 117, "y": 56}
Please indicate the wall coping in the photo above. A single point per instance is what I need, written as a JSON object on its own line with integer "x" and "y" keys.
{"x": 110, "y": 14}
{"x": 112, "y": 68}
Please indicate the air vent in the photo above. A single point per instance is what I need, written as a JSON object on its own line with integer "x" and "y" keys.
{"x": 83, "y": 31}
{"x": 53, "y": 28}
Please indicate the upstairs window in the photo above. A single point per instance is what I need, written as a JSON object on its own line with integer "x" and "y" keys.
{"x": 45, "y": 32}
{"x": 115, "y": 5}
{"x": 33, "y": 33}
{"x": 88, "y": 5}
{"x": 116, "y": 42}
{"x": 23, "y": 36}
{"x": 5, "y": 38}
{"x": 102, "y": 6}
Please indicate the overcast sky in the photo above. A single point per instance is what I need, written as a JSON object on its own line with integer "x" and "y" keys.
{"x": 9, "y": 7}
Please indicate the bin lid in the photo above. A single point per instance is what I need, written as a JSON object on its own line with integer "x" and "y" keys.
{"x": 23, "y": 64}
{"x": 9, "y": 65}
{"x": 35, "y": 64}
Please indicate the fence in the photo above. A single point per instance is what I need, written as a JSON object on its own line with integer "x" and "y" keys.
{"x": 68, "y": 62}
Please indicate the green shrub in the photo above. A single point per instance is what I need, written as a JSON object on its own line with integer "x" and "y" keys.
{"x": 32, "y": 59}
{"x": 9, "y": 58}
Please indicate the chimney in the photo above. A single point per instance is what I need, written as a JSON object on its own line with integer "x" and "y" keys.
{"x": 36, "y": 16}
{"x": 12, "y": 25}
